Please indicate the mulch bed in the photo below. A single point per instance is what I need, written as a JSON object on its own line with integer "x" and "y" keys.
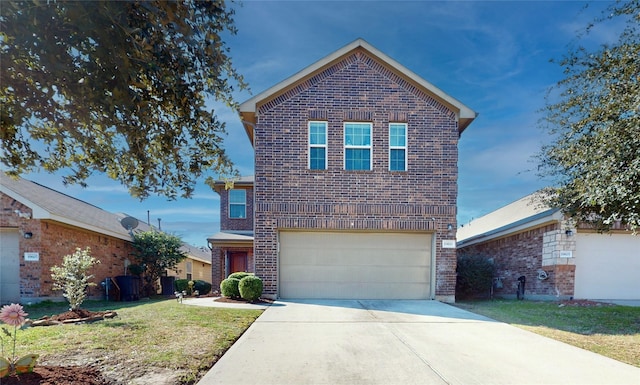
{"x": 63, "y": 375}
{"x": 74, "y": 316}
{"x": 58, "y": 375}
{"x": 260, "y": 301}
{"x": 583, "y": 303}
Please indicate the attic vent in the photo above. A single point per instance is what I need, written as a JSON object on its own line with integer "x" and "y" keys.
{"x": 398, "y": 116}
{"x": 318, "y": 114}
{"x": 361, "y": 116}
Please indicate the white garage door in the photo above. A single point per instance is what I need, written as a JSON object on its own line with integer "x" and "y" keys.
{"x": 355, "y": 265}
{"x": 607, "y": 266}
{"x": 9, "y": 266}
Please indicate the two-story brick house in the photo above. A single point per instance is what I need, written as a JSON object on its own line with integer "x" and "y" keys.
{"x": 355, "y": 181}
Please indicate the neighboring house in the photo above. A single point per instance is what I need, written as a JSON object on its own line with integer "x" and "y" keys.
{"x": 39, "y": 226}
{"x": 355, "y": 181}
{"x": 558, "y": 260}
{"x": 197, "y": 265}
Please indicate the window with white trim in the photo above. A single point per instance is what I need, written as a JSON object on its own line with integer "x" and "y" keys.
{"x": 357, "y": 146}
{"x": 237, "y": 203}
{"x": 317, "y": 145}
{"x": 397, "y": 147}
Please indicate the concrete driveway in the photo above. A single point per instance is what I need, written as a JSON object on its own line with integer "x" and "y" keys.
{"x": 402, "y": 342}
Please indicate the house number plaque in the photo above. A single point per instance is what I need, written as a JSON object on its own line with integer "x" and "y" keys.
{"x": 32, "y": 257}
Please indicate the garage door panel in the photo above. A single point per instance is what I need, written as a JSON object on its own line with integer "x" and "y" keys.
{"x": 355, "y": 265}
{"x": 353, "y": 290}
{"x": 607, "y": 266}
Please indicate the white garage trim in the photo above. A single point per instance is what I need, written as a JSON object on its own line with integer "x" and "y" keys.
{"x": 607, "y": 266}
{"x": 355, "y": 265}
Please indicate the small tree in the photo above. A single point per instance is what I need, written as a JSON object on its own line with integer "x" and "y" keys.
{"x": 156, "y": 252}
{"x": 72, "y": 277}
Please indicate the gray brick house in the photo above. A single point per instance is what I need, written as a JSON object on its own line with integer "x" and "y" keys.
{"x": 355, "y": 181}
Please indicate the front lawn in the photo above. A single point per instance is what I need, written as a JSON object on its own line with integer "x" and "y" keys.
{"x": 610, "y": 330}
{"x": 147, "y": 338}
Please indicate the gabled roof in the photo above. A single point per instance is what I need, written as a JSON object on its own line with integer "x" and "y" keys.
{"x": 249, "y": 108}
{"x": 50, "y": 204}
{"x": 525, "y": 213}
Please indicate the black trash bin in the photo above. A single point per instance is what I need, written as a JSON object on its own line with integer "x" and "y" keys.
{"x": 167, "y": 284}
{"x": 129, "y": 287}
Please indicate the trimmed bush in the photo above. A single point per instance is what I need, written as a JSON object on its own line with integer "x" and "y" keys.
{"x": 229, "y": 288}
{"x": 474, "y": 276}
{"x": 250, "y": 288}
{"x": 203, "y": 287}
{"x": 239, "y": 275}
{"x": 181, "y": 284}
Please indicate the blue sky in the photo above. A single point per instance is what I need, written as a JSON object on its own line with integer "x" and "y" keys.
{"x": 493, "y": 56}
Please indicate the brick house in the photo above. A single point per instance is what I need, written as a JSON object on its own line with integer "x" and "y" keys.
{"x": 355, "y": 181}
{"x": 558, "y": 259}
{"x": 39, "y": 226}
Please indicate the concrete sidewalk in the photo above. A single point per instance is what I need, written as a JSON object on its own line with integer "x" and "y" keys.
{"x": 402, "y": 342}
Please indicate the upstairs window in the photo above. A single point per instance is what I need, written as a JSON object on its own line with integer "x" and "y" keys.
{"x": 317, "y": 145}
{"x": 357, "y": 146}
{"x": 237, "y": 204}
{"x": 398, "y": 147}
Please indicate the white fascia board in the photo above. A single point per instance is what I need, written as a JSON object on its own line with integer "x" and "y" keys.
{"x": 37, "y": 212}
{"x": 556, "y": 216}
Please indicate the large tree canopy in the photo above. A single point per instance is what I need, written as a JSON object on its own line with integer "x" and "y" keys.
{"x": 117, "y": 87}
{"x": 595, "y": 123}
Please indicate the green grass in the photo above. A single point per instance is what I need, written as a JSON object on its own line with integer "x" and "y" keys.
{"x": 610, "y": 330}
{"x": 144, "y": 336}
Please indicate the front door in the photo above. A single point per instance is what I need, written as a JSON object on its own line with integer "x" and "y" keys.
{"x": 238, "y": 261}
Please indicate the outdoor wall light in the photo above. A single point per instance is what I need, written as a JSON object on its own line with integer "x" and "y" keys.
{"x": 569, "y": 233}
{"x": 449, "y": 227}
{"x": 28, "y": 235}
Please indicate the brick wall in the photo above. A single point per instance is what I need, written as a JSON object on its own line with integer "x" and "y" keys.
{"x": 226, "y": 223}
{"x": 522, "y": 254}
{"x": 53, "y": 240}
{"x": 218, "y": 263}
{"x": 290, "y": 196}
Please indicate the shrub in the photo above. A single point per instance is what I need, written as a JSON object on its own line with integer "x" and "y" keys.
{"x": 239, "y": 275}
{"x": 229, "y": 288}
{"x": 203, "y": 287}
{"x": 181, "y": 284}
{"x": 72, "y": 277}
{"x": 250, "y": 288}
{"x": 475, "y": 276}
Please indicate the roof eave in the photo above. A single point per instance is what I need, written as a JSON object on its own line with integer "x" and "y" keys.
{"x": 538, "y": 220}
